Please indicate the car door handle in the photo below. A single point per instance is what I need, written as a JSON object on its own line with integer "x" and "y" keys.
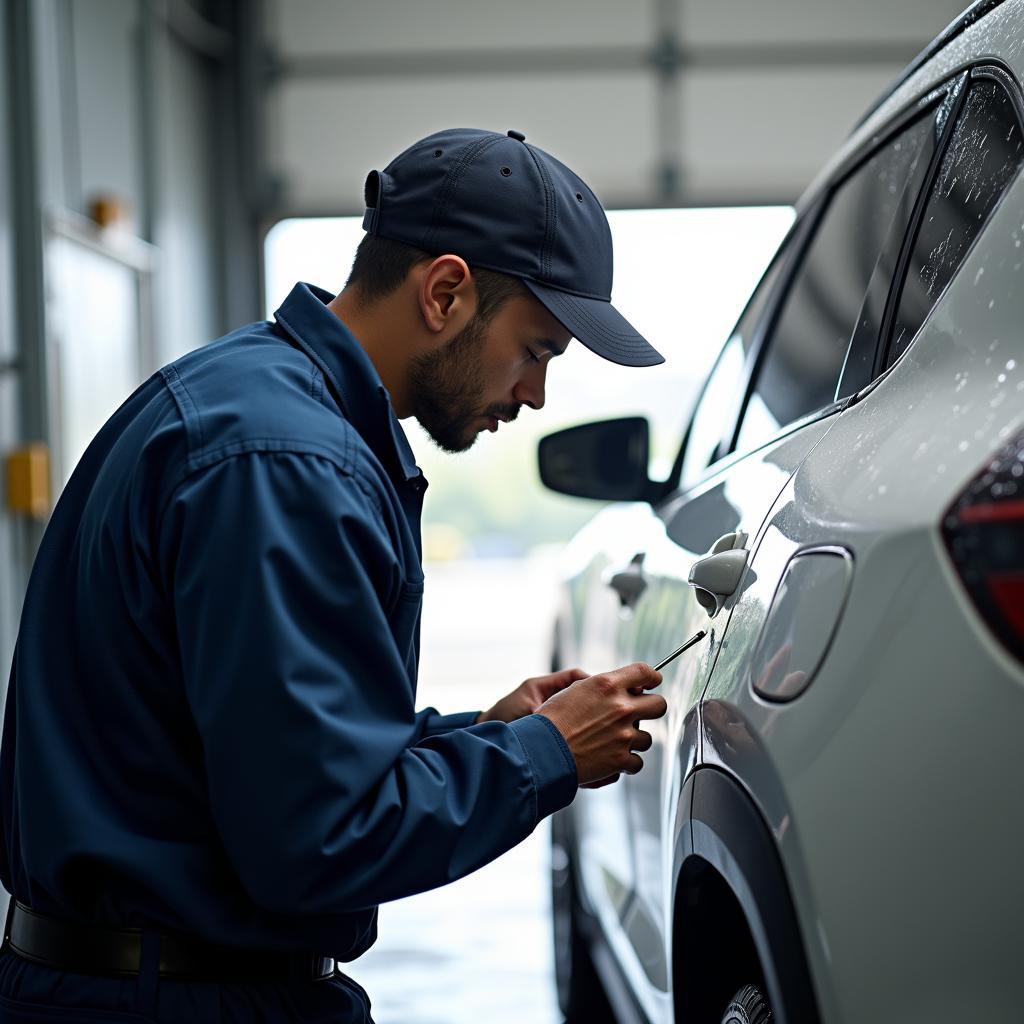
{"x": 716, "y": 576}
{"x": 629, "y": 583}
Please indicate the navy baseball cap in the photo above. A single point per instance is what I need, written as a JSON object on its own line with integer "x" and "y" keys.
{"x": 505, "y": 205}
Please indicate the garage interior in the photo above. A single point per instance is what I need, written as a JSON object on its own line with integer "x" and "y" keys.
{"x": 157, "y": 142}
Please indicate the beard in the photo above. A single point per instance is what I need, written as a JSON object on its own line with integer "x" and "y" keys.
{"x": 446, "y": 390}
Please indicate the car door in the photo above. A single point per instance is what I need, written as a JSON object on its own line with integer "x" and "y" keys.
{"x": 791, "y": 345}
{"x": 816, "y": 694}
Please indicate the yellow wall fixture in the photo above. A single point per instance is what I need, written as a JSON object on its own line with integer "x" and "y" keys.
{"x": 28, "y": 481}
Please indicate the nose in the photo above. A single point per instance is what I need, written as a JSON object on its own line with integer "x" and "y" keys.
{"x": 530, "y": 389}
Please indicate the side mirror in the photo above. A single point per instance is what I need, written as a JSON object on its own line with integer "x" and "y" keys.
{"x": 606, "y": 460}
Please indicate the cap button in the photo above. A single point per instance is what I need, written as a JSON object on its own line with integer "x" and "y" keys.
{"x": 513, "y": 134}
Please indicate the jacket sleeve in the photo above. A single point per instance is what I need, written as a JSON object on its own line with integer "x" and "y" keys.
{"x": 329, "y": 792}
{"x": 431, "y": 723}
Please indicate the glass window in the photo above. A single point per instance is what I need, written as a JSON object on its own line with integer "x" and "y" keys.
{"x": 983, "y": 157}
{"x": 720, "y": 398}
{"x": 801, "y": 367}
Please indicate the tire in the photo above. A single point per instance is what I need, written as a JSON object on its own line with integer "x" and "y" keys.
{"x": 748, "y": 1006}
{"x": 580, "y": 992}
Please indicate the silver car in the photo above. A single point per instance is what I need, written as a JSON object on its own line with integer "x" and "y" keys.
{"x": 828, "y": 824}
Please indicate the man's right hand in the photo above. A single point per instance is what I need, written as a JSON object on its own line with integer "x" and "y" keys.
{"x": 599, "y": 715}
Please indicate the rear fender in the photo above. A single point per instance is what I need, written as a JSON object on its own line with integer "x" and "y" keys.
{"x": 719, "y": 827}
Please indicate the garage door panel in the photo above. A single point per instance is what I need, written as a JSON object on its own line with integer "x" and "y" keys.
{"x": 766, "y": 136}
{"x": 327, "y": 27}
{"x": 788, "y": 22}
{"x": 326, "y": 136}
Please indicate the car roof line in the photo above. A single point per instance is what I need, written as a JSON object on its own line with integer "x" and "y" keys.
{"x": 975, "y": 12}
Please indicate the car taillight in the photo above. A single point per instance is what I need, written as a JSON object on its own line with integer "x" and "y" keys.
{"x": 984, "y": 531}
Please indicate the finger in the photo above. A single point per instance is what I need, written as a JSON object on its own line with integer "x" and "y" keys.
{"x": 567, "y": 677}
{"x": 652, "y": 705}
{"x": 793, "y": 681}
{"x": 778, "y": 662}
{"x": 600, "y": 782}
{"x": 639, "y": 675}
{"x": 551, "y": 684}
{"x": 641, "y": 741}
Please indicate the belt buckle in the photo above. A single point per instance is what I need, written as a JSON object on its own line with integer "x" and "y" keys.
{"x": 321, "y": 967}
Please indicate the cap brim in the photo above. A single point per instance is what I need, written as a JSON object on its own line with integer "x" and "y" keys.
{"x": 598, "y": 325}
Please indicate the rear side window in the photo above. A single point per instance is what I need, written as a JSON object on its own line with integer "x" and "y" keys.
{"x": 983, "y": 157}
{"x": 800, "y": 369}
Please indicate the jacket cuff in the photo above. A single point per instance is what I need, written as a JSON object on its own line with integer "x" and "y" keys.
{"x": 551, "y": 762}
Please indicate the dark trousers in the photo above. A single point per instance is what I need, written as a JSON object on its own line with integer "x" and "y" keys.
{"x": 33, "y": 994}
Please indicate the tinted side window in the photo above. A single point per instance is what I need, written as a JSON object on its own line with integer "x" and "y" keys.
{"x": 801, "y": 367}
{"x": 719, "y": 400}
{"x": 984, "y": 154}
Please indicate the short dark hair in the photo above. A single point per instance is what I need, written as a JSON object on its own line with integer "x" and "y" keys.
{"x": 382, "y": 264}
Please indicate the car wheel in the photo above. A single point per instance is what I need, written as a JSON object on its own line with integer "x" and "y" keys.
{"x": 748, "y": 1006}
{"x": 580, "y": 992}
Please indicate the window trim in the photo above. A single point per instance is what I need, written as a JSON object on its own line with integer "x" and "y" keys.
{"x": 922, "y": 106}
{"x": 864, "y": 349}
{"x": 808, "y": 226}
{"x": 958, "y": 94}
{"x": 992, "y": 71}
{"x": 675, "y": 477}
{"x": 977, "y": 10}
{"x": 796, "y": 241}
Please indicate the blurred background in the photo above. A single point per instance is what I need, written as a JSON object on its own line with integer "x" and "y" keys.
{"x": 169, "y": 168}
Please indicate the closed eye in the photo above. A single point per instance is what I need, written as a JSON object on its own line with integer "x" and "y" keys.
{"x": 535, "y": 358}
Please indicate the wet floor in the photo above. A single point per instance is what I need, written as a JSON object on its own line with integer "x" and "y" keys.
{"x": 480, "y": 948}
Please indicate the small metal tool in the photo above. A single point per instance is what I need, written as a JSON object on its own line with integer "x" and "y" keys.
{"x": 679, "y": 650}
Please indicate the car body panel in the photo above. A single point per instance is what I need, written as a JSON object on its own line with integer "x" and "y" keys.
{"x": 881, "y": 788}
{"x": 890, "y": 781}
{"x": 997, "y": 36}
{"x": 737, "y": 498}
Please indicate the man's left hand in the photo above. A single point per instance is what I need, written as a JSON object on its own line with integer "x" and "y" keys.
{"x": 529, "y": 695}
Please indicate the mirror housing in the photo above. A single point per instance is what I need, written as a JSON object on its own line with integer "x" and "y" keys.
{"x": 606, "y": 460}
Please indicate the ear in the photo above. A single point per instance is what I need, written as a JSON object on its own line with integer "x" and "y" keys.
{"x": 447, "y": 294}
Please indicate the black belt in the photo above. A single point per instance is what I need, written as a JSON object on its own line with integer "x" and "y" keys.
{"x": 93, "y": 949}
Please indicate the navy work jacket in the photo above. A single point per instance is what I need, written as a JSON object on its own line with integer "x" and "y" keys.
{"x": 210, "y": 723}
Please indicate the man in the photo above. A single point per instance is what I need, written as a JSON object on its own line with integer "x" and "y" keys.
{"x": 212, "y": 769}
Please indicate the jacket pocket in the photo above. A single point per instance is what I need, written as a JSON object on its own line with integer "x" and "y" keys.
{"x": 405, "y": 624}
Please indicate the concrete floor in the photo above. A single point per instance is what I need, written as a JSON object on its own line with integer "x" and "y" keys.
{"x": 479, "y": 949}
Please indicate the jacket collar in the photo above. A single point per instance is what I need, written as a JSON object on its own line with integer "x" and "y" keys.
{"x": 350, "y": 375}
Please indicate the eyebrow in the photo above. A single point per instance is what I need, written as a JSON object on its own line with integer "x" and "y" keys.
{"x": 551, "y": 346}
